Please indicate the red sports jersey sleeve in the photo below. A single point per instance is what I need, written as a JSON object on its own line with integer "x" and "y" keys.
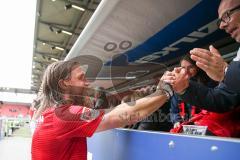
{"x": 76, "y": 121}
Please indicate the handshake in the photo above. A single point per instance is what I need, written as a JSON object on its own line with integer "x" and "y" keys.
{"x": 176, "y": 80}
{"x": 209, "y": 61}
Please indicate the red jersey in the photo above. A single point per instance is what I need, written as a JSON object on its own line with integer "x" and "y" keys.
{"x": 62, "y": 134}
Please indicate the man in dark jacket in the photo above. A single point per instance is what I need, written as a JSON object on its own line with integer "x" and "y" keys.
{"x": 226, "y": 95}
{"x": 222, "y": 98}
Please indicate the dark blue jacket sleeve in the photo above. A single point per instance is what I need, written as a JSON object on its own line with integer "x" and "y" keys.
{"x": 174, "y": 109}
{"x": 218, "y": 99}
{"x": 232, "y": 78}
{"x": 222, "y": 98}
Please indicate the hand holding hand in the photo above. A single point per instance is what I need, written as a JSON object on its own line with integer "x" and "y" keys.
{"x": 168, "y": 77}
{"x": 178, "y": 79}
{"x": 181, "y": 82}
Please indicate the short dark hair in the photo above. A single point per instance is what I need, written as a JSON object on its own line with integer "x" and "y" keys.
{"x": 187, "y": 57}
{"x": 201, "y": 76}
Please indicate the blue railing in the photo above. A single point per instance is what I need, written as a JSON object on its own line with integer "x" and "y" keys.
{"x": 121, "y": 144}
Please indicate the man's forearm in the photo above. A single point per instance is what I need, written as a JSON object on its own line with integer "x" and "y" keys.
{"x": 129, "y": 113}
{"x": 135, "y": 111}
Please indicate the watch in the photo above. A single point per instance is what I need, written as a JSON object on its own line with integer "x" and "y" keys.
{"x": 166, "y": 88}
{"x": 225, "y": 71}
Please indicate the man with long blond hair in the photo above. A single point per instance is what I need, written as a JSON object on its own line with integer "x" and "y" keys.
{"x": 67, "y": 122}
